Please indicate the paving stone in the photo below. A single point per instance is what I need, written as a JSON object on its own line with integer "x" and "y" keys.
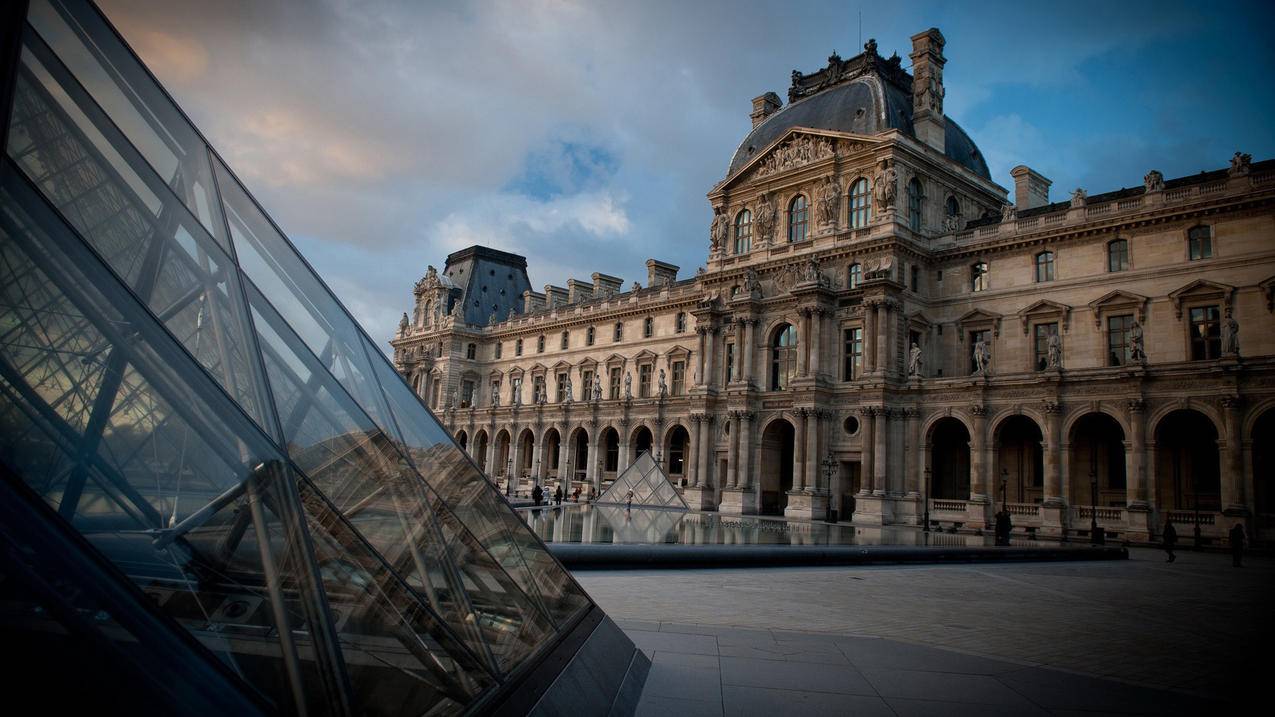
{"x": 656, "y": 706}
{"x": 651, "y": 642}
{"x": 937, "y": 708}
{"x": 795, "y": 676}
{"x": 785, "y": 652}
{"x": 870, "y": 653}
{"x": 747, "y": 701}
{"x": 684, "y": 676}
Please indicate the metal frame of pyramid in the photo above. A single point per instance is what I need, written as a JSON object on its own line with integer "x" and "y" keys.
{"x": 649, "y": 483}
{"x": 209, "y": 474}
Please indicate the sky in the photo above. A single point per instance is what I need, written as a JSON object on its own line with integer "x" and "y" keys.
{"x": 383, "y": 136}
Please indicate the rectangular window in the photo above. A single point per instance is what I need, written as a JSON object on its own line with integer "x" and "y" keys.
{"x": 1040, "y": 344}
{"x": 1206, "y": 334}
{"x": 978, "y": 276}
{"x": 586, "y": 378}
{"x": 518, "y": 347}
{"x": 616, "y": 379}
{"x": 679, "y": 378}
{"x": 1044, "y": 267}
{"x": 853, "y": 363}
{"x": 648, "y": 327}
{"x": 499, "y": 349}
{"x": 644, "y": 381}
{"x": 565, "y": 340}
{"x": 1119, "y": 346}
{"x": 1118, "y": 255}
{"x": 562, "y": 387}
{"x": 619, "y": 332}
{"x": 466, "y": 394}
{"x": 984, "y": 335}
{"x": 729, "y": 368}
{"x": 495, "y": 393}
{"x": 916, "y": 278}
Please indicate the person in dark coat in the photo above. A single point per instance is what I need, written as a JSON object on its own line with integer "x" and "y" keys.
{"x": 1003, "y": 527}
{"x": 1169, "y": 540}
{"x": 557, "y": 495}
{"x": 537, "y": 494}
{"x": 1237, "y": 544}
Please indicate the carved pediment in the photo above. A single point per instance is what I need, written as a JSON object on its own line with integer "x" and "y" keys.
{"x": 1116, "y": 300}
{"x": 538, "y": 369}
{"x": 562, "y": 366}
{"x": 678, "y": 351}
{"x": 979, "y": 318}
{"x": 1045, "y": 309}
{"x": 587, "y": 363}
{"x": 516, "y": 372}
{"x": 1201, "y": 289}
{"x": 919, "y": 318}
{"x": 644, "y": 355}
{"x": 797, "y": 148}
{"x": 615, "y": 360}
{"x": 496, "y": 375}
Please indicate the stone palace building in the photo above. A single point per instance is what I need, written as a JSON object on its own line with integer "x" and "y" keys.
{"x": 883, "y": 331}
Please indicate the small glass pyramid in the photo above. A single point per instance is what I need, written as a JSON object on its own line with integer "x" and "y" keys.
{"x": 185, "y": 401}
{"x": 644, "y": 484}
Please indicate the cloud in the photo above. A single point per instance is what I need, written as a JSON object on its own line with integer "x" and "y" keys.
{"x": 518, "y": 223}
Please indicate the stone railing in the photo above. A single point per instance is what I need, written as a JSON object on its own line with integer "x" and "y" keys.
{"x": 1188, "y": 517}
{"x": 1030, "y": 510}
{"x": 948, "y": 506}
{"x": 1085, "y": 512}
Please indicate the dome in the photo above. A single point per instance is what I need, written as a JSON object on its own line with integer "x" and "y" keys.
{"x": 867, "y": 104}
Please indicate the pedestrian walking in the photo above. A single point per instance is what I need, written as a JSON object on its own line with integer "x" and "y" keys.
{"x": 557, "y": 495}
{"x": 1169, "y": 540}
{"x": 575, "y": 495}
{"x": 537, "y": 494}
{"x": 1237, "y": 544}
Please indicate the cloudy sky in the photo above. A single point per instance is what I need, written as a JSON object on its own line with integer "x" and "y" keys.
{"x": 585, "y": 135}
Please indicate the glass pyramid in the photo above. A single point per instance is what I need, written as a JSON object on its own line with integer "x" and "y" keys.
{"x": 643, "y": 483}
{"x": 185, "y": 401}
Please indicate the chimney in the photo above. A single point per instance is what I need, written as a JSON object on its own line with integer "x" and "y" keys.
{"x": 532, "y": 302}
{"x": 605, "y": 284}
{"x": 660, "y": 272}
{"x": 765, "y": 106}
{"x": 927, "y": 88}
{"x": 1031, "y": 189}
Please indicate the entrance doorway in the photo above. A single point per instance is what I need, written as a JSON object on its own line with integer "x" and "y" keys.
{"x": 776, "y": 467}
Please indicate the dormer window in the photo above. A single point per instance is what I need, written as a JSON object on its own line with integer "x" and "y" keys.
{"x": 1199, "y": 242}
{"x": 648, "y": 327}
{"x": 915, "y": 199}
{"x": 797, "y": 219}
{"x": 855, "y": 276}
{"x": 680, "y": 324}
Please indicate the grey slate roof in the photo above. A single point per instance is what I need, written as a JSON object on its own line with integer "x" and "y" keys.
{"x": 492, "y": 281}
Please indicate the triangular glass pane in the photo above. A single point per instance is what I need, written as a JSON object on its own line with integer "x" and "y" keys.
{"x": 643, "y": 483}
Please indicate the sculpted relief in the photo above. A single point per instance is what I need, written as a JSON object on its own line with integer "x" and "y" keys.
{"x": 764, "y": 221}
{"x": 796, "y": 152}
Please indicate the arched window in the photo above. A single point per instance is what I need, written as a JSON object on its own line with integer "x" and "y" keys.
{"x": 680, "y": 325}
{"x": 743, "y": 232}
{"x": 783, "y": 360}
{"x": 978, "y": 276}
{"x": 471, "y": 351}
{"x": 589, "y": 336}
{"x": 566, "y": 339}
{"x": 1200, "y": 242}
{"x": 619, "y": 331}
{"x": 1044, "y": 266}
{"x": 797, "y": 219}
{"x": 914, "y": 204}
{"x": 860, "y": 203}
{"x": 952, "y": 210}
{"x": 1118, "y": 255}
{"x": 855, "y": 276}
{"x": 540, "y": 344}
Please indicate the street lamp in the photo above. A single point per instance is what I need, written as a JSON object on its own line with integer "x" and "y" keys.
{"x": 1195, "y": 499}
{"x": 925, "y": 498}
{"x": 509, "y": 474}
{"x": 829, "y": 470}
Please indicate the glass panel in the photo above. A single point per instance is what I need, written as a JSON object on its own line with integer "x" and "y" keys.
{"x": 298, "y": 295}
{"x": 146, "y": 236}
{"x": 122, "y": 87}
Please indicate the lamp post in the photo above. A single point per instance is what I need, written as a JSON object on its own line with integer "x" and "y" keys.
{"x": 509, "y": 474}
{"x": 1095, "y": 534}
{"x": 829, "y": 470}
{"x": 1004, "y": 489}
{"x": 925, "y": 498}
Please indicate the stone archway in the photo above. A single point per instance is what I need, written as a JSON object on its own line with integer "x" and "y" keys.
{"x": 579, "y": 448}
{"x": 463, "y": 439}
{"x": 502, "y": 466}
{"x": 676, "y": 459}
{"x": 480, "y": 452}
{"x": 550, "y": 453}
{"x": 526, "y": 454}
{"x": 1020, "y": 461}
{"x": 1186, "y": 462}
{"x": 642, "y": 441}
{"x": 1097, "y": 465}
{"x": 775, "y": 469}
{"x": 949, "y": 460}
{"x": 611, "y": 446}
{"x": 1263, "y": 443}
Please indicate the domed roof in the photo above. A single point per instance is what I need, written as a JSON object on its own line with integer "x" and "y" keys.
{"x": 869, "y": 103}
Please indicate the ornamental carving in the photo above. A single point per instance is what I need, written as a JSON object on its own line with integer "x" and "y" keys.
{"x": 828, "y": 202}
{"x": 796, "y": 152}
{"x": 764, "y": 221}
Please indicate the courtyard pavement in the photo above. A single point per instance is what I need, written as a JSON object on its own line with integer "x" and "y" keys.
{"x": 1120, "y": 637}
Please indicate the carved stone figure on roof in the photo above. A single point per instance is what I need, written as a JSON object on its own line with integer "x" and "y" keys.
{"x": 402, "y": 325}
{"x": 1230, "y": 335}
{"x": 636, "y": 287}
{"x": 458, "y": 310}
{"x": 828, "y": 205}
{"x": 1078, "y": 198}
{"x": 1054, "y": 351}
{"x": 1009, "y": 213}
{"x": 662, "y": 385}
{"x": 510, "y": 316}
{"x": 885, "y": 187}
{"x": 752, "y": 284}
{"x": 570, "y": 391}
{"x": 718, "y": 233}
{"x": 764, "y": 221}
{"x": 1154, "y": 181}
{"x": 628, "y": 386}
{"x": 1240, "y": 165}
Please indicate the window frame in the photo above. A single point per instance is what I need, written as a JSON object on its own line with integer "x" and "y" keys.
{"x": 854, "y": 276}
{"x": 565, "y": 343}
{"x": 679, "y": 323}
{"x": 1040, "y": 343}
{"x": 648, "y": 327}
{"x": 783, "y": 356}
{"x": 518, "y": 347}
{"x": 1125, "y": 344}
{"x": 1210, "y": 344}
{"x": 743, "y": 227}
{"x": 677, "y": 378}
{"x": 540, "y": 344}
{"x": 590, "y": 335}
{"x": 979, "y": 276}
{"x": 645, "y": 371}
{"x": 851, "y": 353}
{"x": 1043, "y": 267}
{"x": 798, "y": 219}
{"x": 1199, "y": 239}
{"x": 1125, "y": 264}
{"x": 617, "y": 334}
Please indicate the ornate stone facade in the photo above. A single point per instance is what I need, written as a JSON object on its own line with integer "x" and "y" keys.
{"x": 921, "y": 346}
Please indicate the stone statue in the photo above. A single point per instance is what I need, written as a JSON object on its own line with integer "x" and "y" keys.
{"x": 628, "y": 386}
{"x": 1054, "y": 351}
{"x": 914, "y": 360}
{"x": 719, "y": 232}
{"x": 636, "y": 287}
{"x": 402, "y": 325}
{"x": 597, "y": 391}
{"x": 543, "y": 398}
{"x": 1154, "y": 181}
{"x": 478, "y": 391}
{"x": 1078, "y": 198}
{"x": 495, "y": 395}
{"x": 886, "y": 187}
{"x": 662, "y": 385}
{"x": 1240, "y": 165}
{"x": 517, "y": 392}
{"x": 1137, "y": 351}
{"x": 458, "y": 310}
{"x": 570, "y": 391}
{"x": 764, "y": 221}
{"x": 829, "y": 203}
{"x": 1230, "y": 335}
{"x": 982, "y": 357}
{"x": 752, "y": 285}
{"x": 1009, "y": 213}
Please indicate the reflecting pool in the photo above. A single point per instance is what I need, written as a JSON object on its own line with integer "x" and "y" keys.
{"x": 585, "y": 523}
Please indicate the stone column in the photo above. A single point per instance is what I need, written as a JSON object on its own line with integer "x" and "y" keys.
{"x": 732, "y": 452}
{"x": 597, "y": 456}
{"x": 1135, "y": 459}
{"x": 867, "y": 467}
{"x": 883, "y": 337}
{"x": 562, "y": 451}
{"x": 879, "y": 451}
{"x": 515, "y": 454}
{"x": 538, "y": 465}
{"x": 1053, "y": 456}
{"x": 812, "y": 449}
{"x": 491, "y": 452}
{"x": 623, "y": 461}
{"x": 803, "y": 340}
{"x": 749, "y": 348}
{"x": 913, "y": 460}
{"x": 1233, "y": 498}
{"x": 745, "y": 449}
{"x": 799, "y": 449}
{"x": 816, "y": 340}
{"x": 869, "y": 336}
{"x": 978, "y": 456}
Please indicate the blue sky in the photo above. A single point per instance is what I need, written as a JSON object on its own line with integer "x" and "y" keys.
{"x": 382, "y": 136}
